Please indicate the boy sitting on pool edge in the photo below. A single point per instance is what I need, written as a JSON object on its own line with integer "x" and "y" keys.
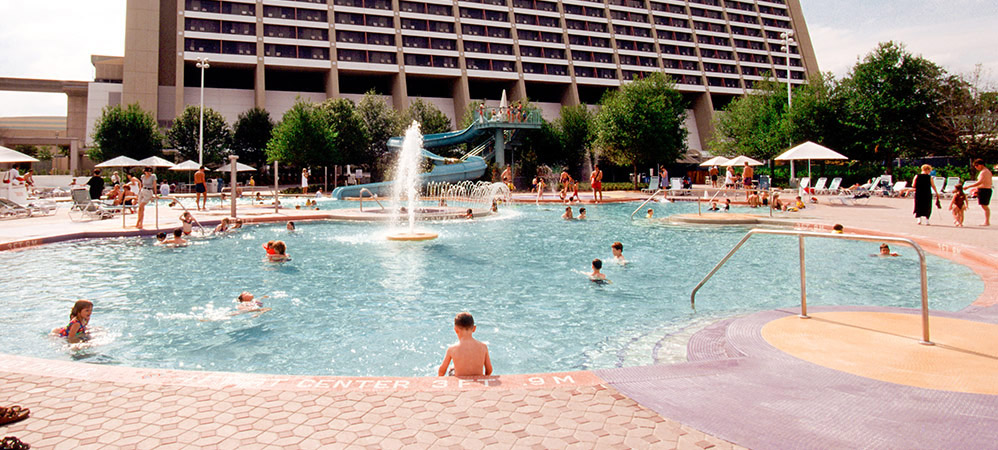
{"x": 469, "y": 355}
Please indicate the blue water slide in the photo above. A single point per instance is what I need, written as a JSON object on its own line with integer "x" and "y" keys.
{"x": 444, "y": 169}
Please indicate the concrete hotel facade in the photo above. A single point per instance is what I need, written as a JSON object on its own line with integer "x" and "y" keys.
{"x": 266, "y": 53}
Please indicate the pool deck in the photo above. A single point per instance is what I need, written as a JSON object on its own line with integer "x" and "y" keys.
{"x": 850, "y": 377}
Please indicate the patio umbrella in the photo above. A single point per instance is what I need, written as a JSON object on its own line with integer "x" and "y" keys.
{"x": 741, "y": 160}
{"x": 13, "y": 156}
{"x": 240, "y": 167}
{"x": 120, "y": 161}
{"x": 808, "y": 150}
{"x": 156, "y": 161}
{"x": 186, "y": 166}
{"x": 715, "y": 161}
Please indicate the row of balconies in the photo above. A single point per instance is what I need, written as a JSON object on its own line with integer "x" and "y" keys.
{"x": 426, "y": 8}
{"x": 249, "y": 48}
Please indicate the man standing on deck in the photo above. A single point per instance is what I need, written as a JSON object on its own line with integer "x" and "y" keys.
{"x": 984, "y": 189}
{"x": 200, "y": 190}
{"x": 596, "y": 181}
{"x": 507, "y": 177}
{"x": 96, "y": 184}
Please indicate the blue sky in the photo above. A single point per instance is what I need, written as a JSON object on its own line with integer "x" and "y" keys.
{"x": 55, "y": 38}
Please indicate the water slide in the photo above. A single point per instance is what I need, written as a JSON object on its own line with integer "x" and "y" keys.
{"x": 444, "y": 169}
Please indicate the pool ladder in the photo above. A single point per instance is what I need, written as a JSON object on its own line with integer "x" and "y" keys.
{"x": 803, "y": 287}
{"x": 375, "y": 197}
{"x": 645, "y": 203}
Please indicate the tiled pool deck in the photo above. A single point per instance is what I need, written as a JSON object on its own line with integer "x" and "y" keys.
{"x": 738, "y": 389}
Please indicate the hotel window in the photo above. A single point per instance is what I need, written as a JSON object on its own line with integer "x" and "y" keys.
{"x": 501, "y": 49}
{"x": 469, "y": 13}
{"x": 238, "y": 8}
{"x": 280, "y": 31}
{"x": 415, "y": 42}
{"x": 448, "y": 62}
{"x": 439, "y": 10}
{"x": 503, "y": 66}
{"x": 380, "y": 39}
{"x": 586, "y": 72}
{"x": 201, "y": 45}
{"x": 417, "y": 60}
{"x": 283, "y": 51}
{"x": 379, "y": 21}
{"x": 242, "y": 28}
{"x": 381, "y": 57}
{"x": 349, "y": 18}
{"x": 202, "y": 5}
{"x": 208, "y": 26}
{"x": 313, "y": 53}
{"x": 312, "y": 15}
{"x": 475, "y": 47}
{"x": 280, "y": 13}
{"x": 351, "y": 55}
{"x": 238, "y": 48}
{"x": 606, "y": 73}
{"x": 349, "y": 36}
{"x": 503, "y": 33}
{"x": 313, "y": 34}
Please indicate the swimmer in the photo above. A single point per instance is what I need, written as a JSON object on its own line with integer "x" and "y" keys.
{"x": 247, "y": 303}
{"x": 237, "y": 224}
{"x": 568, "y": 213}
{"x": 280, "y": 252}
{"x": 160, "y": 238}
{"x": 582, "y": 214}
{"x": 597, "y": 276}
{"x": 650, "y": 213}
{"x": 885, "y": 250}
{"x": 223, "y": 226}
{"x": 187, "y": 222}
{"x": 269, "y": 248}
{"x": 618, "y": 253}
{"x": 837, "y": 229}
{"x": 713, "y": 207}
{"x": 442, "y": 202}
{"x": 495, "y": 206}
{"x": 727, "y": 204}
{"x": 291, "y": 226}
{"x": 79, "y": 317}
{"x": 469, "y": 215}
{"x": 178, "y": 239}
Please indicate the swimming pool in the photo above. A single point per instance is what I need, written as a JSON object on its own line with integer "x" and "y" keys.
{"x": 351, "y": 303}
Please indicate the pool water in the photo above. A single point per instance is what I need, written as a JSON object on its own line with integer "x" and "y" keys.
{"x": 352, "y": 303}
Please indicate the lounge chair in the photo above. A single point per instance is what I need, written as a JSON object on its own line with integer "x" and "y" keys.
{"x": 803, "y": 185}
{"x": 833, "y": 188}
{"x": 764, "y": 182}
{"x": 86, "y": 208}
{"x": 652, "y": 185}
{"x": 819, "y": 186}
{"x": 11, "y": 210}
{"x": 898, "y": 190}
{"x": 850, "y": 197}
{"x": 951, "y": 184}
{"x": 34, "y": 209}
{"x": 676, "y": 186}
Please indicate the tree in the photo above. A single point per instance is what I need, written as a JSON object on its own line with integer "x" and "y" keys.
{"x": 251, "y": 132}
{"x": 303, "y": 137}
{"x": 970, "y": 115}
{"x": 431, "y": 120}
{"x": 351, "y": 139}
{"x": 185, "y": 134}
{"x": 892, "y": 103}
{"x": 642, "y": 123}
{"x": 470, "y": 114}
{"x": 127, "y": 131}
{"x": 575, "y": 132}
{"x": 382, "y": 122}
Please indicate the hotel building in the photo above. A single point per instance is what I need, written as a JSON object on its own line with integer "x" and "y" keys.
{"x": 266, "y": 53}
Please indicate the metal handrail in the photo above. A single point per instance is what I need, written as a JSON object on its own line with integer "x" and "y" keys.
{"x": 803, "y": 288}
{"x": 645, "y": 203}
{"x": 361, "y": 195}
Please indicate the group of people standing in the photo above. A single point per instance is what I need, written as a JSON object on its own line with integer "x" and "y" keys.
{"x": 925, "y": 188}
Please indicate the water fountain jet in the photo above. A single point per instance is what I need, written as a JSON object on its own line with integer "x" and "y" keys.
{"x": 407, "y": 187}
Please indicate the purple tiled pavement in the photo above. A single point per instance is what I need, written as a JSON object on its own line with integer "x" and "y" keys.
{"x": 780, "y": 401}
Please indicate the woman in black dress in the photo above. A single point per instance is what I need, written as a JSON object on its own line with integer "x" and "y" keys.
{"x": 924, "y": 187}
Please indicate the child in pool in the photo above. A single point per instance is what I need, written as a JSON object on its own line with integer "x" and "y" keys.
{"x": 597, "y": 276}
{"x": 269, "y": 248}
{"x": 582, "y": 214}
{"x": 249, "y": 303}
{"x": 280, "y": 252}
{"x": 160, "y": 238}
{"x": 178, "y": 239}
{"x": 187, "y": 222}
{"x": 291, "y": 226}
{"x": 568, "y": 213}
{"x": 618, "y": 253}
{"x": 469, "y": 215}
{"x": 885, "y": 250}
{"x": 223, "y": 226}
{"x": 470, "y": 356}
{"x": 79, "y": 317}
{"x": 650, "y": 213}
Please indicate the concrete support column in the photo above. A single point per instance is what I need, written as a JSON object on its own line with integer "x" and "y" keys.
{"x": 500, "y": 148}
{"x": 461, "y": 94}
{"x": 333, "y": 83}
{"x": 519, "y": 90}
{"x": 703, "y": 113}
{"x": 74, "y": 157}
{"x": 260, "y": 75}
{"x": 400, "y": 97}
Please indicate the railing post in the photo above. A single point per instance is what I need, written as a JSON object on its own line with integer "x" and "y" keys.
{"x": 803, "y": 282}
{"x": 925, "y": 301}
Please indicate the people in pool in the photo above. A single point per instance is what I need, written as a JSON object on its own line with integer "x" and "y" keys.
{"x": 291, "y": 226}
{"x": 650, "y": 213}
{"x": 568, "y": 213}
{"x": 247, "y": 302}
{"x": 727, "y": 204}
{"x": 160, "y": 238}
{"x": 469, "y": 215}
{"x": 838, "y": 229}
{"x": 885, "y": 250}
{"x": 713, "y": 207}
{"x": 470, "y": 356}
{"x": 187, "y": 222}
{"x": 596, "y": 275}
{"x": 582, "y": 214}
{"x": 223, "y": 226}
{"x": 618, "y": 253}
{"x": 79, "y": 318}
{"x": 269, "y": 248}
{"x": 178, "y": 238}
{"x": 280, "y": 252}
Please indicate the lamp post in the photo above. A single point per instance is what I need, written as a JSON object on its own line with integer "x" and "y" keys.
{"x": 788, "y": 40}
{"x": 203, "y": 64}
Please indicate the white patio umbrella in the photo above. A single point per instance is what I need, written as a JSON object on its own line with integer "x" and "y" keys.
{"x": 186, "y": 166}
{"x": 155, "y": 161}
{"x": 715, "y": 161}
{"x": 8, "y": 155}
{"x": 240, "y": 167}
{"x": 741, "y": 160}
{"x": 502, "y": 102}
{"x": 120, "y": 161}
{"x": 808, "y": 150}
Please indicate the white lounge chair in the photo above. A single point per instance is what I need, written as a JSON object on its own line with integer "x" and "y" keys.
{"x": 803, "y": 185}
{"x": 652, "y": 185}
{"x": 676, "y": 186}
{"x": 898, "y": 188}
{"x": 819, "y": 186}
{"x": 951, "y": 184}
{"x": 86, "y": 208}
{"x": 833, "y": 187}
